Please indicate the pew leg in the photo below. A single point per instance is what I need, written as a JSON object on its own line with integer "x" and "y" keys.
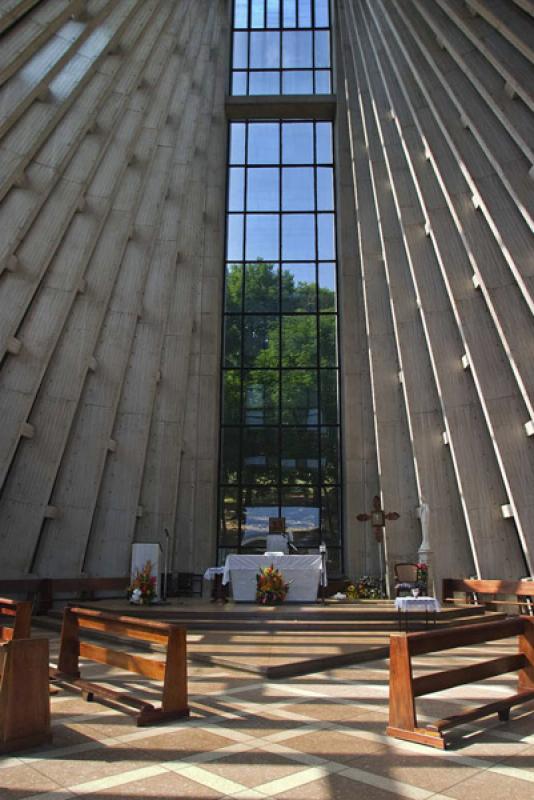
{"x": 504, "y": 715}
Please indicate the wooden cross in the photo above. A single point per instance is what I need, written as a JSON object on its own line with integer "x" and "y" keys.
{"x": 378, "y": 518}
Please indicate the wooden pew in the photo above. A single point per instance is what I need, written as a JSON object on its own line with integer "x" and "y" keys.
{"x": 472, "y": 588}
{"x": 404, "y": 687}
{"x": 172, "y": 671}
{"x": 21, "y": 610}
{"x": 24, "y": 699}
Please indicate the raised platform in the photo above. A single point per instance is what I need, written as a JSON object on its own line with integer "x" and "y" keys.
{"x": 282, "y": 641}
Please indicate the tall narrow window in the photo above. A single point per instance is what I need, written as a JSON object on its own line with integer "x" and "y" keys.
{"x": 281, "y": 47}
{"x": 280, "y": 434}
{"x": 280, "y": 414}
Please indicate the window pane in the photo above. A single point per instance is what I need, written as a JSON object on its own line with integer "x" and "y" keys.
{"x": 241, "y": 14}
{"x": 239, "y": 83}
{"x": 232, "y": 397}
{"x": 297, "y": 143}
{"x": 297, "y": 49}
{"x": 290, "y": 13}
{"x": 298, "y": 236}
{"x": 325, "y": 189}
{"x": 229, "y": 530}
{"x": 300, "y": 456}
{"x": 297, "y": 82}
{"x": 325, "y": 232}
{"x": 262, "y": 341}
{"x": 236, "y": 189}
{"x": 329, "y": 397}
{"x": 301, "y": 508}
{"x": 305, "y": 14}
{"x": 322, "y": 17}
{"x": 322, "y": 82}
{"x": 262, "y": 237}
{"x": 298, "y": 287}
{"x": 257, "y": 15}
{"x": 327, "y": 287}
{"x": 297, "y": 189}
{"x": 330, "y": 455}
{"x": 234, "y": 233}
{"x": 229, "y": 455}
{"x": 264, "y": 83}
{"x": 322, "y": 48}
{"x": 258, "y": 505}
{"x": 334, "y": 561}
{"x": 232, "y": 341}
{"x": 263, "y": 142}
{"x": 237, "y": 142}
{"x": 330, "y": 517}
{"x": 273, "y": 13}
{"x": 233, "y": 287}
{"x": 265, "y": 50}
{"x": 260, "y": 397}
{"x": 260, "y": 456}
{"x": 299, "y": 341}
{"x": 323, "y": 132}
{"x": 299, "y": 397}
{"x": 263, "y": 189}
{"x": 262, "y": 289}
{"x": 328, "y": 346}
{"x": 240, "y": 50}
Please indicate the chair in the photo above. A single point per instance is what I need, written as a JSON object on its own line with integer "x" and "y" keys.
{"x": 405, "y": 577}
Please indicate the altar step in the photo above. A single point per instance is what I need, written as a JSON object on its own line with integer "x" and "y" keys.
{"x": 250, "y": 618}
{"x": 276, "y": 643}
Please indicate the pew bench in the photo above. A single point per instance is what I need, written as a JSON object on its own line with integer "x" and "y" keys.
{"x": 404, "y": 688}
{"x": 499, "y": 591}
{"x": 42, "y": 592}
{"x": 21, "y": 613}
{"x": 24, "y": 698}
{"x": 172, "y": 671}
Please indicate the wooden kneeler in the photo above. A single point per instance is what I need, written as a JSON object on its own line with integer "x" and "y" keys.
{"x": 404, "y": 688}
{"x": 172, "y": 671}
{"x": 24, "y": 700}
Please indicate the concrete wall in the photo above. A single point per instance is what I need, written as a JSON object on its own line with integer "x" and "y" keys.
{"x": 438, "y": 104}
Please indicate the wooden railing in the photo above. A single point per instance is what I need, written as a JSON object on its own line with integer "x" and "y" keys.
{"x": 43, "y": 591}
{"x": 404, "y": 688}
{"x": 172, "y": 671}
{"x": 21, "y": 610}
{"x": 499, "y": 591}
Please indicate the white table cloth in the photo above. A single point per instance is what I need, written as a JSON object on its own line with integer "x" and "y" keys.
{"x": 211, "y": 572}
{"x": 417, "y": 604}
{"x": 301, "y": 572}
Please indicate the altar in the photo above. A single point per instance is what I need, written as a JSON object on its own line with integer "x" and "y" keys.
{"x": 303, "y": 573}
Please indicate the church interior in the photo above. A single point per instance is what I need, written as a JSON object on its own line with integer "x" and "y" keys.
{"x": 266, "y": 399}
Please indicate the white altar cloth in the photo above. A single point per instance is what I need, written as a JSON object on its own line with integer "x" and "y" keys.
{"x": 417, "y": 604}
{"x": 301, "y": 572}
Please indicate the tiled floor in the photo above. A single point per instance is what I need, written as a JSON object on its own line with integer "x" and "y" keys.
{"x": 317, "y": 737}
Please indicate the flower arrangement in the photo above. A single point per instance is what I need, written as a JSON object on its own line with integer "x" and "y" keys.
{"x": 422, "y": 576}
{"x": 270, "y": 586}
{"x": 366, "y": 588}
{"x": 142, "y": 589}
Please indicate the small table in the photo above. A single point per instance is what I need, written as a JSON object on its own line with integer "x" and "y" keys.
{"x": 219, "y": 592}
{"x": 406, "y": 604}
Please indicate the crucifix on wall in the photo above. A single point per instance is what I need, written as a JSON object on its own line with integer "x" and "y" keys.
{"x": 378, "y": 517}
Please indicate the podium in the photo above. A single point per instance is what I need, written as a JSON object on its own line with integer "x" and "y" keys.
{"x": 147, "y": 551}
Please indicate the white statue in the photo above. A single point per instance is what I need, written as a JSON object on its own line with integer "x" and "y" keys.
{"x": 424, "y": 514}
